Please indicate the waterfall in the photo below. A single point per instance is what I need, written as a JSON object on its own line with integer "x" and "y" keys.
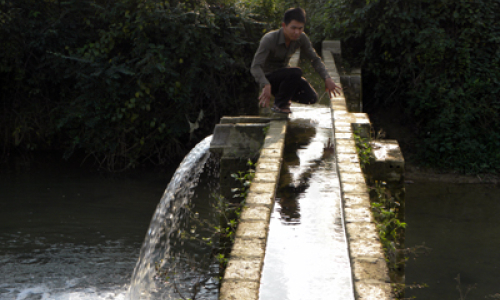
{"x": 169, "y": 223}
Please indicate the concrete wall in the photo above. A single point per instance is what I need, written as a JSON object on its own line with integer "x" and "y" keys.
{"x": 369, "y": 268}
{"x": 242, "y": 276}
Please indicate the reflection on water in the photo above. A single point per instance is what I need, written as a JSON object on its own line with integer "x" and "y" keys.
{"x": 460, "y": 223}
{"x": 306, "y": 254}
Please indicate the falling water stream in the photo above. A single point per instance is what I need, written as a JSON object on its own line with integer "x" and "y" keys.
{"x": 174, "y": 260}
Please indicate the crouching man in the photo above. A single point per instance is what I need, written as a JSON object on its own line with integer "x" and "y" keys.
{"x": 271, "y": 70}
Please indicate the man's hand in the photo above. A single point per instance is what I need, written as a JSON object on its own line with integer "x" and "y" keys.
{"x": 265, "y": 96}
{"x": 332, "y": 88}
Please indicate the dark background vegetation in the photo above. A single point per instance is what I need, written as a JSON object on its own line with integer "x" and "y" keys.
{"x": 118, "y": 80}
{"x": 436, "y": 60}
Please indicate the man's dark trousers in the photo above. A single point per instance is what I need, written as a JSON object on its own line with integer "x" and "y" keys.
{"x": 288, "y": 84}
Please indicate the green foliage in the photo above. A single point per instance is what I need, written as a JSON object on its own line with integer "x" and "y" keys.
{"x": 385, "y": 208}
{"x": 244, "y": 179}
{"x": 363, "y": 148}
{"x": 438, "y": 59}
{"x": 125, "y": 81}
{"x": 269, "y": 11}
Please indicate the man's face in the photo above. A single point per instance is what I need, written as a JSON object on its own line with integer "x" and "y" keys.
{"x": 293, "y": 30}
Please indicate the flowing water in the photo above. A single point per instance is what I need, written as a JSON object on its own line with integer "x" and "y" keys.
{"x": 174, "y": 260}
{"x": 306, "y": 255}
{"x": 67, "y": 233}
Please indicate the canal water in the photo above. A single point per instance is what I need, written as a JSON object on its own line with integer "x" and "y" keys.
{"x": 306, "y": 253}
{"x": 71, "y": 233}
{"x": 460, "y": 224}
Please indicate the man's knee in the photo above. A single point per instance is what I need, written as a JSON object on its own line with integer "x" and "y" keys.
{"x": 314, "y": 98}
{"x": 295, "y": 73}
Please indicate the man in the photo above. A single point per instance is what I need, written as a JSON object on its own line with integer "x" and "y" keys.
{"x": 270, "y": 65}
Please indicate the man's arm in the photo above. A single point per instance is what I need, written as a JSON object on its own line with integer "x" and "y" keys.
{"x": 318, "y": 65}
{"x": 258, "y": 73}
{"x": 259, "y": 60}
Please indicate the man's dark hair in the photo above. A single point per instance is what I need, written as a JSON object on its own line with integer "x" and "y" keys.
{"x": 297, "y": 14}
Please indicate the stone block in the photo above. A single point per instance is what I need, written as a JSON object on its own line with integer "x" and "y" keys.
{"x": 345, "y": 148}
{"x": 366, "y": 248}
{"x": 254, "y": 213}
{"x": 356, "y": 200}
{"x": 348, "y": 158}
{"x": 270, "y": 153}
{"x": 338, "y": 105}
{"x": 252, "y": 230}
{"x": 277, "y": 131}
{"x": 249, "y": 248}
{"x": 269, "y": 177}
{"x": 343, "y": 129}
{"x": 219, "y": 138}
{"x": 358, "y": 214}
{"x": 246, "y": 135}
{"x": 352, "y": 177}
{"x": 274, "y": 143}
{"x": 350, "y": 143}
{"x": 268, "y": 166}
{"x": 260, "y": 198}
{"x": 370, "y": 270}
{"x": 332, "y": 45}
{"x": 243, "y": 269}
{"x": 238, "y": 140}
{"x": 372, "y": 291}
{"x": 262, "y": 187}
{"x": 278, "y": 123}
{"x": 362, "y": 230}
{"x": 240, "y": 290}
{"x": 361, "y": 118}
{"x": 386, "y": 161}
{"x": 357, "y": 188}
{"x": 349, "y": 167}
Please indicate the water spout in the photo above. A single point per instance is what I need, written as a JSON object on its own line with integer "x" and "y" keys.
{"x": 166, "y": 223}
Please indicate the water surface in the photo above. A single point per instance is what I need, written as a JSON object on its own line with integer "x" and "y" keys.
{"x": 461, "y": 224}
{"x": 70, "y": 233}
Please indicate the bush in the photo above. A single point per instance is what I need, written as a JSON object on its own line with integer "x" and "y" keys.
{"x": 438, "y": 59}
{"x": 125, "y": 81}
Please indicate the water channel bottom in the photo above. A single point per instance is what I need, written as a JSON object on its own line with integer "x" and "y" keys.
{"x": 306, "y": 255}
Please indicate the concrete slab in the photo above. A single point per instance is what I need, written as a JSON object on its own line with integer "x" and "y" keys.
{"x": 249, "y": 248}
{"x": 252, "y": 230}
{"x": 266, "y": 198}
{"x": 373, "y": 270}
{"x": 373, "y": 291}
{"x": 256, "y": 213}
{"x": 248, "y": 269}
{"x": 356, "y": 200}
{"x": 358, "y": 214}
{"x": 262, "y": 188}
{"x": 239, "y": 290}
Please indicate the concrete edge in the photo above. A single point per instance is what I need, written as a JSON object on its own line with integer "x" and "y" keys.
{"x": 370, "y": 275}
{"x": 243, "y": 272}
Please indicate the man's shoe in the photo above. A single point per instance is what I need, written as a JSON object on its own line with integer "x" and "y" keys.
{"x": 284, "y": 110}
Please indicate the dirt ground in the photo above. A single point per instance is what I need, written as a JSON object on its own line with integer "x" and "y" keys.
{"x": 392, "y": 124}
